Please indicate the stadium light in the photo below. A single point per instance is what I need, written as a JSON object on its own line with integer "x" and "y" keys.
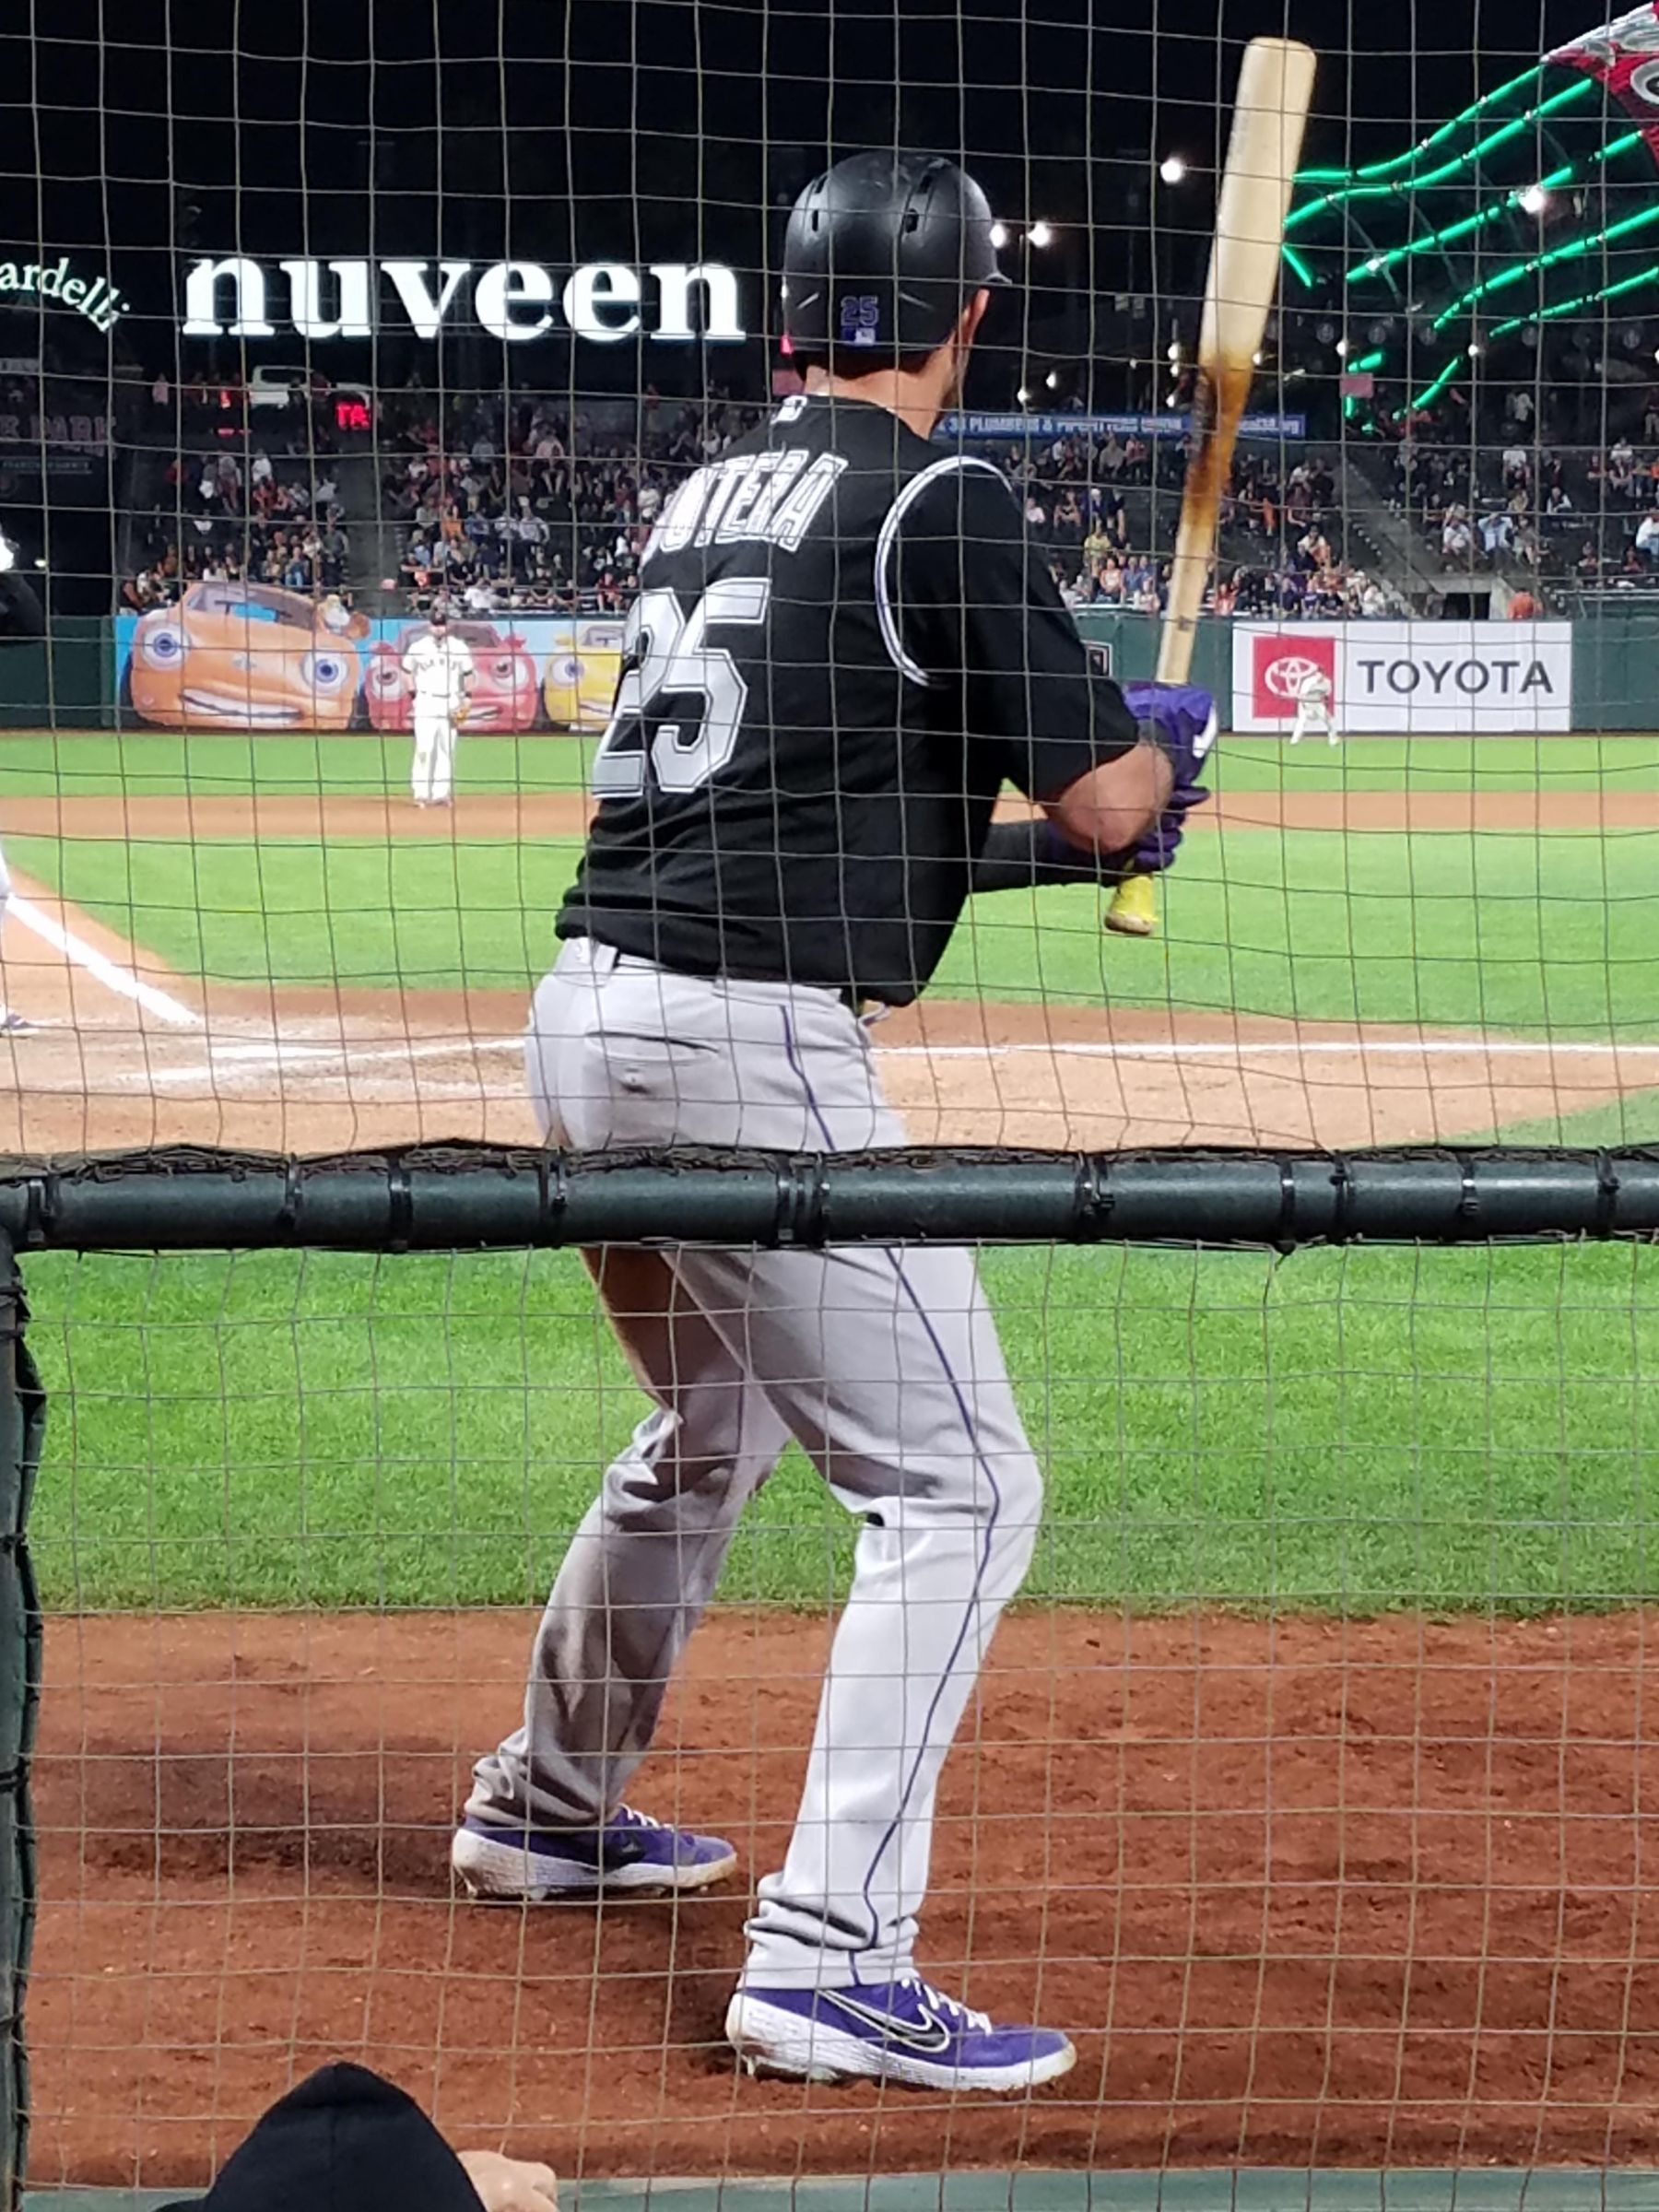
{"x": 1171, "y": 169}
{"x": 1342, "y": 347}
{"x": 1053, "y": 380}
{"x": 1041, "y": 234}
{"x": 8, "y": 553}
{"x": 999, "y": 234}
{"x": 1534, "y": 199}
{"x": 1474, "y": 350}
{"x": 1173, "y": 354}
{"x": 1023, "y": 396}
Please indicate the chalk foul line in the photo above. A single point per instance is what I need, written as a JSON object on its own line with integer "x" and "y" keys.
{"x": 110, "y": 973}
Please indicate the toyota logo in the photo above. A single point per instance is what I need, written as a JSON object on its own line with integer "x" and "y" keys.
{"x": 1286, "y": 676}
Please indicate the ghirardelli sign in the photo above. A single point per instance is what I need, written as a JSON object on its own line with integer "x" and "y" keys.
{"x": 514, "y": 301}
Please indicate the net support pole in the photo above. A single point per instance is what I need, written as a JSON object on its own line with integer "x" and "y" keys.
{"x": 22, "y": 1421}
{"x": 478, "y": 1197}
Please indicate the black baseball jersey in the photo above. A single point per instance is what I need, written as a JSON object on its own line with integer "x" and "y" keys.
{"x": 841, "y": 649}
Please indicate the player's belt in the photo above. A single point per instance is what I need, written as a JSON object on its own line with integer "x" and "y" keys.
{"x": 853, "y": 999}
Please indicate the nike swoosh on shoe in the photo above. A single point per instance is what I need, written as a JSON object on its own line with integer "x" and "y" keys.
{"x": 929, "y": 2034}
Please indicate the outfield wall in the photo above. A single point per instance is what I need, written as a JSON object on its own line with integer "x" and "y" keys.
{"x": 71, "y": 680}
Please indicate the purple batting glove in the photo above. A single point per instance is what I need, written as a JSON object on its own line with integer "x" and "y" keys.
{"x": 1182, "y": 719}
{"x": 1162, "y": 840}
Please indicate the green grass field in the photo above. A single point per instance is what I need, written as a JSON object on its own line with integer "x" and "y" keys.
{"x": 1351, "y": 1430}
{"x": 1348, "y": 1430}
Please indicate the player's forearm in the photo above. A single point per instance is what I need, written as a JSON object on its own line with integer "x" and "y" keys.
{"x": 1018, "y": 855}
{"x": 1107, "y": 810}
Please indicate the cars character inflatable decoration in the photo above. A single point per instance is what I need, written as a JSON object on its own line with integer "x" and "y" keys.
{"x": 245, "y": 656}
{"x": 581, "y": 683}
{"x": 503, "y": 686}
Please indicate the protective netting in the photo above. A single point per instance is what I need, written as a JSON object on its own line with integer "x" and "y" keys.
{"x": 1308, "y": 1791}
{"x": 1306, "y": 1786}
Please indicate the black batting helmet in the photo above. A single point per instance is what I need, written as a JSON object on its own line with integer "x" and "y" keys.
{"x": 882, "y": 253}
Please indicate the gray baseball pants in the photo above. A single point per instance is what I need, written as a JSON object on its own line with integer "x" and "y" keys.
{"x": 885, "y": 1367}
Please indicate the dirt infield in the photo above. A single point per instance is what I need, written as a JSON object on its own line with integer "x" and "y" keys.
{"x": 316, "y": 816}
{"x": 324, "y": 1069}
{"x": 1367, "y": 1893}
{"x": 319, "y": 1071}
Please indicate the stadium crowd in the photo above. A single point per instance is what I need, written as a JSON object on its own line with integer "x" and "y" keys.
{"x": 533, "y": 505}
{"x": 276, "y": 521}
{"x": 1508, "y": 495}
{"x": 1101, "y": 508}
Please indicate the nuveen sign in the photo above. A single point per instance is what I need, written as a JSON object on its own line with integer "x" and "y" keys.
{"x": 671, "y": 302}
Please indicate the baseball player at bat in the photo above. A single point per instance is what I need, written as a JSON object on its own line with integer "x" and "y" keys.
{"x": 439, "y": 672}
{"x": 841, "y": 650}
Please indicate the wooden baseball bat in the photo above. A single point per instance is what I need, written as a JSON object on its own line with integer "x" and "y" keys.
{"x": 1270, "y": 113}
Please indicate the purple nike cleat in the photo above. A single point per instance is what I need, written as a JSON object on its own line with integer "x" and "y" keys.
{"x": 630, "y": 1852}
{"x": 903, "y": 2032}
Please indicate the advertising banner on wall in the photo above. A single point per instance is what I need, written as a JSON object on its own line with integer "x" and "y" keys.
{"x": 954, "y": 429}
{"x": 239, "y": 656}
{"x": 1404, "y": 678}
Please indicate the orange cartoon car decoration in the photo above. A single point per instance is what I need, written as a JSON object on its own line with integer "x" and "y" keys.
{"x": 246, "y": 656}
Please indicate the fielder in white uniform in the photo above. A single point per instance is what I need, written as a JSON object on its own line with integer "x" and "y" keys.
{"x": 1315, "y": 713}
{"x": 439, "y": 671}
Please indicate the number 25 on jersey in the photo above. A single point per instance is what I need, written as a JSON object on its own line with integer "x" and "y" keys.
{"x": 671, "y": 659}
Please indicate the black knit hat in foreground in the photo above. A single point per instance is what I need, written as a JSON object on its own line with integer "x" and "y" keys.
{"x": 344, "y": 2141}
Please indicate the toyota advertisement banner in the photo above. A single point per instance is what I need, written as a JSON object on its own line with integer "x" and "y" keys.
{"x": 251, "y": 657}
{"x": 1408, "y": 679}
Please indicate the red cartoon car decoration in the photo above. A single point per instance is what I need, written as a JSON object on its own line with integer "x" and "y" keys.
{"x": 504, "y": 692}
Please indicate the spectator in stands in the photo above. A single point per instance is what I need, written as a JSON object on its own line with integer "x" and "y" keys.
{"x": 1518, "y": 411}
{"x": 345, "y": 2137}
{"x": 1517, "y": 468}
{"x": 1457, "y": 539}
{"x": 1647, "y": 538}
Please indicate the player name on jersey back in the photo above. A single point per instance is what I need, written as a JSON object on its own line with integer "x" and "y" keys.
{"x": 770, "y": 498}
